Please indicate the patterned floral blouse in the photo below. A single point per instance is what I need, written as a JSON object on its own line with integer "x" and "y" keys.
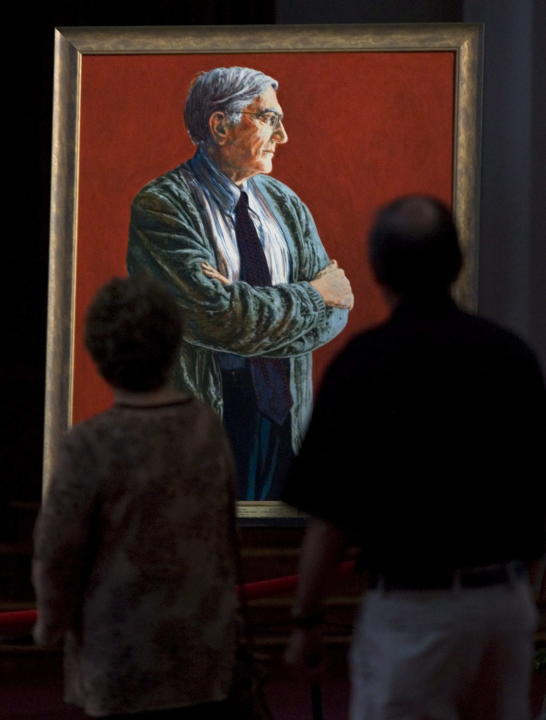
{"x": 135, "y": 559}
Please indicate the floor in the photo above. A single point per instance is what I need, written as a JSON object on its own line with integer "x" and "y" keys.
{"x": 36, "y": 693}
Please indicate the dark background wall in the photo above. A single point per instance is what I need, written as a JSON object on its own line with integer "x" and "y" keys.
{"x": 512, "y": 282}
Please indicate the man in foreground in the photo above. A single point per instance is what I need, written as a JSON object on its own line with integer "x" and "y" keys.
{"x": 241, "y": 254}
{"x": 426, "y": 451}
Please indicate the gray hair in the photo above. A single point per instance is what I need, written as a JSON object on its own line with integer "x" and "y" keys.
{"x": 228, "y": 90}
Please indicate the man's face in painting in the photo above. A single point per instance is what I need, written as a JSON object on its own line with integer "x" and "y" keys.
{"x": 247, "y": 148}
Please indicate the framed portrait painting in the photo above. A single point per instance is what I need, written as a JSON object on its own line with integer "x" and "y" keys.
{"x": 367, "y": 113}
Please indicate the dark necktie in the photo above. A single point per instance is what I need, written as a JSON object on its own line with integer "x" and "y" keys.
{"x": 270, "y": 376}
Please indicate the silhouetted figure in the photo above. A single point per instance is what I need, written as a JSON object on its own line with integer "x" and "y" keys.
{"x": 134, "y": 564}
{"x": 426, "y": 451}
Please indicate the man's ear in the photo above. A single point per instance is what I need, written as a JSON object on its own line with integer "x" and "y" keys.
{"x": 218, "y": 127}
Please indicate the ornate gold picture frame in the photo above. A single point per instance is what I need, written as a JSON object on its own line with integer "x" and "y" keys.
{"x": 371, "y": 112}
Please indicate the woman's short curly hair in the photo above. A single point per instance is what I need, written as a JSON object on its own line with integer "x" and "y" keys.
{"x": 133, "y": 330}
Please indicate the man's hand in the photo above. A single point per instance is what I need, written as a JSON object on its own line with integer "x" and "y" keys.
{"x": 332, "y": 265}
{"x": 330, "y": 282}
{"x": 334, "y": 287}
{"x": 46, "y": 636}
{"x": 213, "y": 273}
{"x": 305, "y": 652}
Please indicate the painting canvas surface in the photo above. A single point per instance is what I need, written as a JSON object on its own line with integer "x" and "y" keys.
{"x": 362, "y": 128}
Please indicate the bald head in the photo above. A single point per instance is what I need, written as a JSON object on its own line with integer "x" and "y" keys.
{"x": 414, "y": 249}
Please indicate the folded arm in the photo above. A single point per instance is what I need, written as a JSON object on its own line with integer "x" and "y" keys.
{"x": 168, "y": 239}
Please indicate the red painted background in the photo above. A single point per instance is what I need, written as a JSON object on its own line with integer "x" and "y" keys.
{"x": 362, "y": 128}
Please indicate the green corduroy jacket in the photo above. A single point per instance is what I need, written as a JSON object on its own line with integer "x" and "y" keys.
{"x": 170, "y": 237}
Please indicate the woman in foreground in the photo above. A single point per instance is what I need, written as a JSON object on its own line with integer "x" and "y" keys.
{"x": 134, "y": 564}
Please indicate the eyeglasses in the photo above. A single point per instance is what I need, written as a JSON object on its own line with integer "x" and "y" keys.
{"x": 269, "y": 117}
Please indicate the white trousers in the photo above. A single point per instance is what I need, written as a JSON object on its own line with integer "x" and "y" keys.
{"x": 444, "y": 654}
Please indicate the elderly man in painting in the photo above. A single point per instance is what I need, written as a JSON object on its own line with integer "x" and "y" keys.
{"x": 241, "y": 253}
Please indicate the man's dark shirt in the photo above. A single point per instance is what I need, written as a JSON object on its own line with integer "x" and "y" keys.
{"x": 427, "y": 443}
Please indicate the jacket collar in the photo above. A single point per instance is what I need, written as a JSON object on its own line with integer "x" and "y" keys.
{"x": 222, "y": 190}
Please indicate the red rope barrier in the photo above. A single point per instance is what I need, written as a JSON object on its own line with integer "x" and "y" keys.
{"x": 17, "y": 622}
{"x": 20, "y": 622}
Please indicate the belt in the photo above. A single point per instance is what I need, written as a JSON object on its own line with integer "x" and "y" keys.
{"x": 477, "y": 577}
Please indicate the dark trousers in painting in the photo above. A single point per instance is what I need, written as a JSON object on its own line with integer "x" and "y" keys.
{"x": 261, "y": 447}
